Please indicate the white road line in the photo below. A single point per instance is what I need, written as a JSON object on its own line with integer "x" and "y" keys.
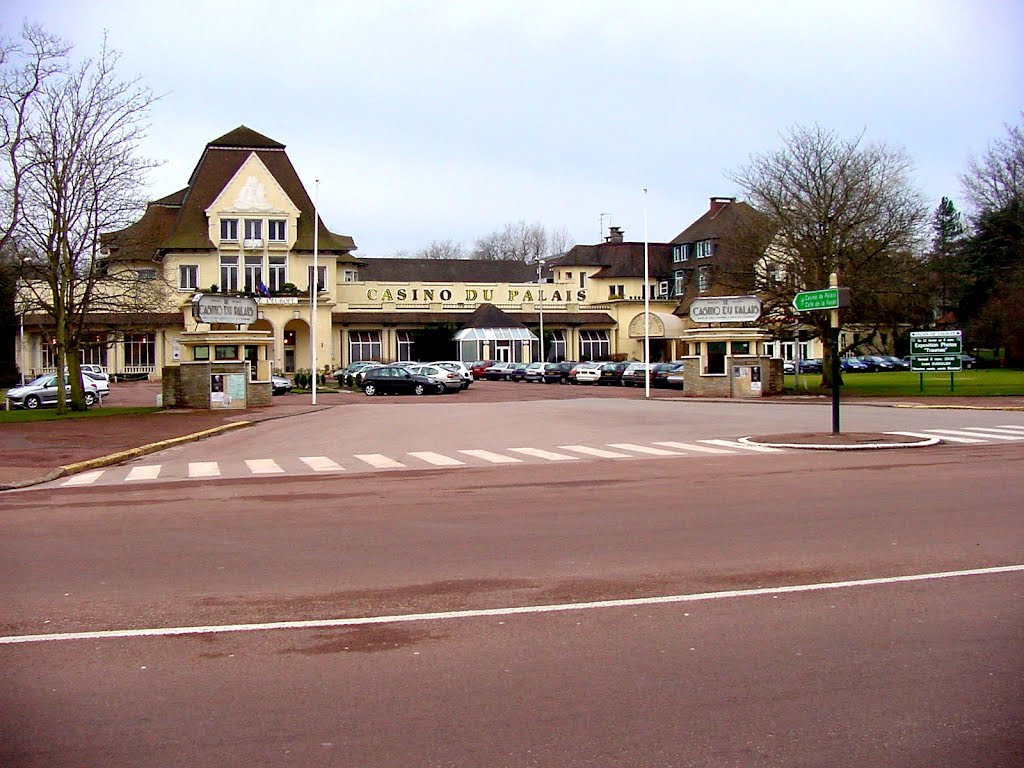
{"x": 996, "y": 432}
{"x": 203, "y": 469}
{"x": 600, "y": 453}
{"x": 83, "y": 478}
{"x": 437, "y": 459}
{"x": 691, "y": 447}
{"x": 494, "y": 458}
{"x": 380, "y": 461}
{"x": 944, "y": 437}
{"x": 320, "y": 463}
{"x": 645, "y": 449}
{"x": 542, "y": 454}
{"x": 966, "y": 433}
{"x": 1014, "y": 427}
{"x": 263, "y": 466}
{"x": 508, "y": 611}
{"x": 744, "y": 446}
{"x": 147, "y": 472}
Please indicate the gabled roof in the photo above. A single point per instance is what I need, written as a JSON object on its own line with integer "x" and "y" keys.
{"x": 218, "y": 164}
{"x": 447, "y": 270}
{"x": 618, "y": 259}
{"x": 718, "y": 221}
{"x": 489, "y": 316}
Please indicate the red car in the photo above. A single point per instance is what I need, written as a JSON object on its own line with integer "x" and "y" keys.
{"x": 478, "y": 368}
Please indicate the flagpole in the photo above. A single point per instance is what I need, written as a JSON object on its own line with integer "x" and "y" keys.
{"x": 313, "y": 287}
{"x": 647, "y": 309}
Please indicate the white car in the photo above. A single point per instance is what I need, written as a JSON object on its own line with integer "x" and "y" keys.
{"x": 459, "y": 367}
{"x": 96, "y": 371}
{"x": 534, "y": 372}
{"x": 586, "y": 373}
{"x": 445, "y": 379}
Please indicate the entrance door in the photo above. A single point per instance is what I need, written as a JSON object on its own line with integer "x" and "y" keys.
{"x": 252, "y": 355}
{"x": 503, "y": 351}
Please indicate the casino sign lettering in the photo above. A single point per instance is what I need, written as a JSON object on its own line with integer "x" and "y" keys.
{"x": 725, "y": 309}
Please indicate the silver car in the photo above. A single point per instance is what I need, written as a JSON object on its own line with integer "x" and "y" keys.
{"x": 43, "y": 392}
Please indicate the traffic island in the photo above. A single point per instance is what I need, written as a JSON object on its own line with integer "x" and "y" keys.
{"x": 843, "y": 441}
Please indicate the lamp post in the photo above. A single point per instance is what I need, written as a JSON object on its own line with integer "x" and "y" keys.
{"x": 540, "y": 305}
{"x": 600, "y": 227}
{"x": 647, "y": 308}
{"x": 313, "y": 288}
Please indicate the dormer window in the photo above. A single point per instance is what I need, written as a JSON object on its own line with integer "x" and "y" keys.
{"x": 229, "y": 229}
{"x": 704, "y": 248}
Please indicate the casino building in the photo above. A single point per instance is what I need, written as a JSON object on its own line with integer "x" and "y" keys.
{"x": 245, "y": 225}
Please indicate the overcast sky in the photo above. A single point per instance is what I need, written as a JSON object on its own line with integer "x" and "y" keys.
{"x": 447, "y": 119}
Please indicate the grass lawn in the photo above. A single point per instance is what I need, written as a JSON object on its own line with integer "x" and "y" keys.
{"x": 50, "y": 414}
{"x": 973, "y": 383}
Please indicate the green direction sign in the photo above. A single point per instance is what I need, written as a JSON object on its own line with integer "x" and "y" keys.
{"x": 826, "y": 298}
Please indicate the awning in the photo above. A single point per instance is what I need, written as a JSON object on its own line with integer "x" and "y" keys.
{"x": 495, "y": 334}
{"x": 662, "y": 325}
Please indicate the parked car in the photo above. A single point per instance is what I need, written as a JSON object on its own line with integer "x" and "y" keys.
{"x": 611, "y": 373}
{"x": 479, "y": 367}
{"x": 350, "y": 375}
{"x": 897, "y": 362}
{"x": 445, "y": 379}
{"x": 876, "y": 363}
{"x": 519, "y": 372}
{"x": 459, "y": 367}
{"x": 557, "y": 373}
{"x": 280, "y": 384}
{"x": 42, "y": 391}
{"x": 534, "y": 372}
{"x": 852, "y": 365}
{"x": 660, "y": 374}
{"x": 499, "y": 372}
{"x": 674, "y": 379}
{"x": 807, "y": 365}
{"x": 968, "y": 361}
{"x": 586, "y": 373}
{"x": 96, "y": 371}
{"x": 635, "y": 374}
{"x": 396, "y": 380}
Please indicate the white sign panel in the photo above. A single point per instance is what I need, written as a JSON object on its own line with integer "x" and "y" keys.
{"x": 215, "y": 308}
{"x": 725, "y": 309}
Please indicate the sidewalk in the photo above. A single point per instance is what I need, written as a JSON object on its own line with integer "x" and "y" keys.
{"x": 36, "y": 452}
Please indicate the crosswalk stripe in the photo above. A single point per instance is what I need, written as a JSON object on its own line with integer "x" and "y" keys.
{"x": 263, "y": 466}
{"x": 944, "y": 437}
{"x": 541, "y": 454}
{"x": 645, "y": 449}
{"x": 975, "y": 433}
{"x": 379, "y": 461}
{"x": 744, "y": 446}
{"x": 83, "y": 478}
{"x": 147, "y": 472}
{"x": 437, "y": 459}
{"x": 600, "y": 453}
{"x": 1014, "y": 427}
{"x": 998, "y": 431}
{"x": 320, "y": 463}
{"x": 203, "y": 469}
{"x": 494, "y": 458}
{"x": 691, "y": 447}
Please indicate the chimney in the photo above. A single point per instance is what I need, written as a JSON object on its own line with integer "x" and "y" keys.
{"x": 718, "y": 203}
{"x": 614, "y": 235}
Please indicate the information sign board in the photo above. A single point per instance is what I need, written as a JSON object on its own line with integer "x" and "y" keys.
{"x": 936, "y": 351}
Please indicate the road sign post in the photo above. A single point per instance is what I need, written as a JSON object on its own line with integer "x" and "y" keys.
{"x": 832, "y": 298}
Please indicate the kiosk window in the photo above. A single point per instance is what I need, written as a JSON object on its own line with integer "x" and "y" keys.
{"x": 201, "y": 353}
{"x": 225, "y": 352}
{"x": 716, "y": 356}
{"x": 741, "y": 347}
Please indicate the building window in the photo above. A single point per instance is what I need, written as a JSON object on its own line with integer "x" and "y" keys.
{"x": 321, "y": 278}
{"x": 253, "y": 273}
{"x": 277, "y": 273}
{"x": 188, "y": 277}
{"x": 229, "y": 229}
{"x": 277, "y": 230}
{"x": 703, "y": 279}
{"x": 741, "y": 347}
{"x": 139, "y": 350}
{"x": 364, "y": 345}
{"x": 201, "y": 352}
{"x": 583, "y": 279}
{"x": 716, "y": 357}
{"x": 253, "y": 233}
{"x": 616, "y": 291}
{"x": 350, "y": 276}
{"x": 228, "y": 273}
{"x": 404, "y": 340}
{"x": 225, "y": 352}
{"x": 94, "y": 351}
{"x": 594, "y": 345}
{"x": 145, "y": 274}
{"x": 679, "y": 277}
{"x": 557, "y": 351}
{"x": 705, "y": 248}
{"x": 682, "y": 252}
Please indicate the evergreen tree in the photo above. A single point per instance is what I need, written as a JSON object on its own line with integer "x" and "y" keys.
{"x": 946, "y": 260}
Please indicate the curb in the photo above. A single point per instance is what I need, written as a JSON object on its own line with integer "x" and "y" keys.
{"x": 853, "y": 447}
{"x": 131, "y": 453}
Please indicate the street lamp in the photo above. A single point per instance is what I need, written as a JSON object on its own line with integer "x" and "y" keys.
{"x": 647, "y": 308}
{"x": 313, "y": 287}
{"x": 540, "y": 305}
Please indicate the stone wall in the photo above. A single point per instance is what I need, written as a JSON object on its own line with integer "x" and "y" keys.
{"x": 188, "y": 385}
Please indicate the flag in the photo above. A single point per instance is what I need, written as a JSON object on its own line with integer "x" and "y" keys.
{"x": 261, "y": 289}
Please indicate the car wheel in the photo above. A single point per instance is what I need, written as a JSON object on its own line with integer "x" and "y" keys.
{"x": 90, "y": 399}
{"x": 419, "y": 389}
{"x": 564, "y": 380}
{"x": 441, "y": 389}
{"x": 32, "y": 402}
{"x": 369, "y": 389}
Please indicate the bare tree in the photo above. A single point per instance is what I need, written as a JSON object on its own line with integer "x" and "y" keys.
{"x": 519, "y": 241}
{"x": 84, "y": 177}
{"x": 443, "y": 249}
{"x": 835, "y": 205}
{"x": 995, "y": 181}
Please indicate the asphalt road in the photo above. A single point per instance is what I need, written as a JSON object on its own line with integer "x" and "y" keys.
{"x": 923, "y": 672}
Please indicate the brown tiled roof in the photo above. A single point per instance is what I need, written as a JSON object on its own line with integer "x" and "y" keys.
{"x": 219, "y": 162}
{"x": 142, "y": 240}
{"x": 447, "y": 271}
{"x": 717, "y": 222}
{"x": 458, "y": 318}
{"x": 619, "y": 259}
{"x": 115, "y": 320}
{"x": 489, "y": 316}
